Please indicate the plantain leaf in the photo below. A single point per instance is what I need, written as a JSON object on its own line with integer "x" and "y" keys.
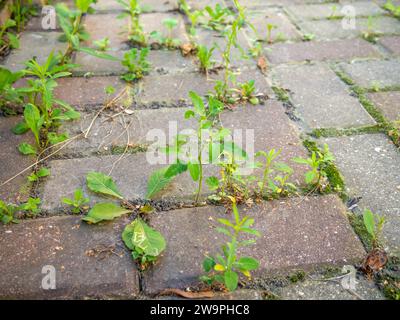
{"x": 104, "y": 211}
{"x": 158, "y": 181}
{"x": 101, "y": 183}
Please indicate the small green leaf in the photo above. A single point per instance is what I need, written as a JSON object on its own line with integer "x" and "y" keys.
{"x": 194, "y": 169}
{"x": 212, "y": 183}
{"x": 231, "y": 280}
{"x": 369, "y": 222}
{"x": 20, "y": 128}
{"x": 175, "y": 169}
{"x": 101, "y": 183}
{"x": 198, "y": 103}
{"x": 208, "y": 264}
{"x": 157, "y": 182}
{"x": 104, "y": 211}
{"x": 26, "y": 148}
{"x": 247, "y": 263}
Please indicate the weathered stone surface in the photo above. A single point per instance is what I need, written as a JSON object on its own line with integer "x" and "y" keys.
{"x": 296, "y": 233}
{"x": 107, "y": 25}
{"x": 159, "y": 6}
{"x": 81, "y": 91}
{"x": 34, "y": 44}
{"x": 12, "y": 162}
{"x": 370, "y": 165}
{"x": 330, "y": 290}
{"x": 240, "y": 294}
{"x": 332, "y": 29}
{"x": 321, "y": 98}
{"x": 107, "y": 5}
{"x": 283, "y": 28}
{"x": 72, "y": 248}
{"x": 392, "y": 44}
{"x": 329, "y": 10}
{"x": 154, "y": 22}
{"x": 387, "y": 103}
{"x": 320, "y": 51}
{"x": 272, "y": 129}
{"x": 98, "y": 66}
{"x": 377, "y": 74}
{"x": 162, "y": 62}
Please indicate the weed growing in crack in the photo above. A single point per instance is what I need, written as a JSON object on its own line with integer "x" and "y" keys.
{"x": 217, "y": 18}
{"x": 145, "y": 242}
{"x": 78, "y": 202}
{"x": 393, "y": 9}
{"x": 193, "y": 15}
{"x": 135, "y": 31}
{"x": 39, "y": 174}
{"x": 318, "y": 163}
{"x": 137, "y": 64}
{"x": 247, "y": 92}
{"x": 225, "y": 268}
{"x": 70, "y": 23}
{"x": 21, "y": 11}
{"x": 205, "y": 58}
{"x": 167, "y": 41}
{"x": 8, "y": 38}
{"x": 10, "y": 96}
{"x": 102, "y": 44}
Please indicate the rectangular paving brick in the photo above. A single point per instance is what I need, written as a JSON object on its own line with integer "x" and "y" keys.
{"x": 374, "y": 74}
{"x": 272, "y": 129}
{"x": 320, "y": 51}
{"x": 329, "y": 10}
{"x": 34, "y": 44}
{"x": 391, "y": 43}
{"x": 13, "y": 162}
{"x": 370, "y": 166}
{"x": 107, "y": 5}
{"x": 387, "y": 103}
{"x": 296, "y": 233}
{"x": 159, "y": 6}
{"x": 72, "y": 248}
{"x": 100, "y": 26}
{"x": 332, "y": 29}
{"x": 161, "y": 61}
{"x": 283, "y": 28}
{"x": 81, "y": 91}
{"x": 321, "y": 98}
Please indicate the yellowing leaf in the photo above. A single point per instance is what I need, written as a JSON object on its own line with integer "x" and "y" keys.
{"x": 219, "y": 267}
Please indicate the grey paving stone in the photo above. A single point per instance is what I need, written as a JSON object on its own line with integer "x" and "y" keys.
{"x": 332, "y": 29}
{"x": 374, "y": 74}
{"x": 330, "y": 290}
{"x": 328, "y": 10}
{"x": 283, "y": 28}
{"x": 34, "y": 44}
{"x": 98, "y": 66}
{"x": 169, "y": 62}
{"x": 321, "y": 98}
{"x": 107, "y": 5}
{"x": 320, "y": 51}
{"x": 154, "y": 22}
{"x": 392, "y": 44}
{"x": 12, "y": 162}
{"x": 133, "y": 171}
{"x": 296, "y": 233}
{"x": 159, "y": 6}
{"x": 82, "y": 92}
{"x": 107, "y": 25}
{"x": 370, "y": 166}
{"x": 387, "y": 103}
{"x": 71, "y": 247}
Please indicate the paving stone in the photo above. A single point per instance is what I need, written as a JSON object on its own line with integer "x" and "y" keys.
{"x": 68, "y": 245}
{"x": 329, "y": 290}
{"x": 376, "y": 74}
{"x": 240, "y": 294}
{"x": 387, "y": 103}
{"x": 296, "y": 233}
{"x": 274, "y": 131}
{"x": 321, "y": 98}
{"x": 159, "y": 6}
{"x": 320, "y": 51}
{"x": 332, "y": 29}
{"x": 162, "y": 62}
{"x": 328, "y": 10}
{"x": 82, "y": 92}
{"x": 392, "y": 44}
{"x": 154, "y": 22}
{"x": 370, "y": 166}
{"x": 107, "y": 5}
{"x": 12, "y": 162}
{"x": 34, "y": 44}
{"x": 284, "y": 29}
{"x": 201, "y": 4}
{"x": 98, "y": 66}
{"x": 101, "y": 26}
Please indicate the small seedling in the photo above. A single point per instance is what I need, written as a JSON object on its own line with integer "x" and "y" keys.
{"x": 7, "y": 212}
{"x": 270, "y": 28}
{"x": 102, "y": 44}
{"x": 205, "y": 58}
{"x": 136, "y": 33}
{"x": 8, "y": 39}
{"x": 32, "y": 206}
{"x": 393, "y": 9}
{"x": 225, "y": 268}
{"x": 247, "y": 92}
{"x": 374, "y": 224}
{"x": 137, "y": 64}
{"x": 9, "y": 96}
{"x": 318, "y": 162}
{"x": 370, "y": 34}
{"x": 308, "y": 36}
{"x": 41, "y": 173}
{"x": 78, "y": 202}
{"x": 168, "y": 41}
{"x": 218, "y": 17}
